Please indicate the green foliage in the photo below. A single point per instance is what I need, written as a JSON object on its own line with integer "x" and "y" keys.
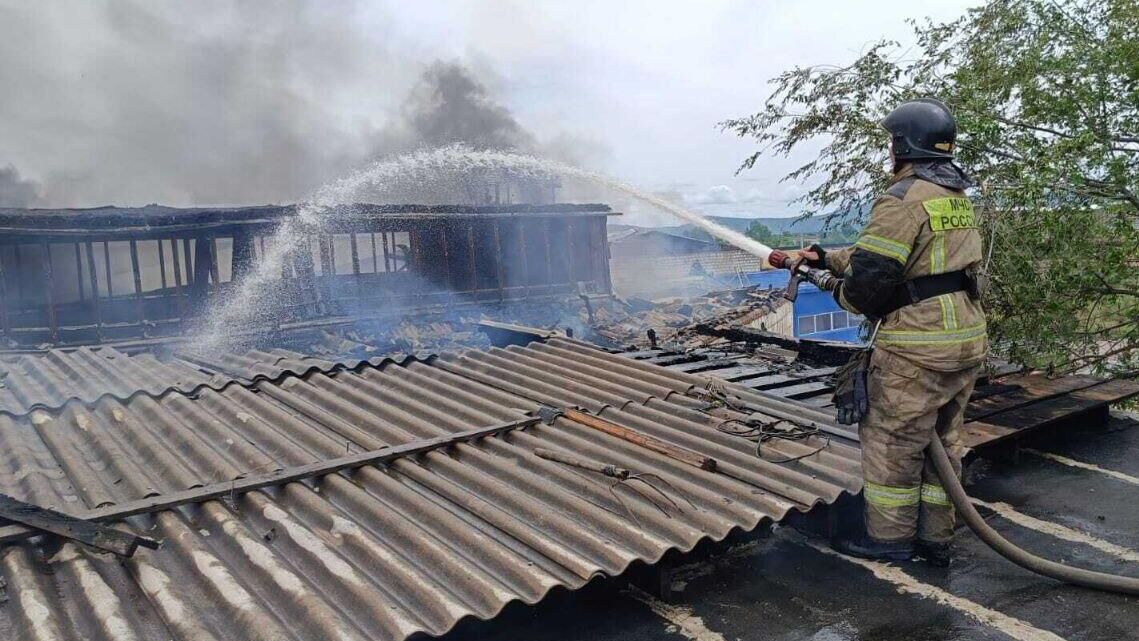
{"x": 1046, "y": 93}
{"x": 763, "y": 234}
{"x": 844, "y": 233}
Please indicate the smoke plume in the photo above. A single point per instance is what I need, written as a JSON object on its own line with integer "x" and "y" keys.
{"x": 448, "y": 105}
{"x": 15, "y": 191}
{"x": 129, "y": 102}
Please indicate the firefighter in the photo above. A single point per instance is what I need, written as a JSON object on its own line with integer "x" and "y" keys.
{"x": 913, "y": 267}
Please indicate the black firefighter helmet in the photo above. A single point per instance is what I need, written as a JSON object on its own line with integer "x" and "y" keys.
{"x": 921, "y": 129}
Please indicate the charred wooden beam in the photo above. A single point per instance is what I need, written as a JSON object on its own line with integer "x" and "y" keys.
{"x": 49, "y": 292}
{"x": 327, "y": 269}
{"x": 474, "y": 284}
{"x": 199, "y": 290}
{"x": 571, "y": 250}
{"x": 213, "y": 246}
{"x": 44, "y": 520}
{"x": 355, "y": 256}
{"x": 189, "y": 261}
{"x": 305, "y": 270}
{"x": 107, "y": 269}
{"x": 447, "y": 279}
{"x": 814, "y": 352}
{"x": 19, "y": 281}
{"x": 522, "y": 252}
{"x": 5, "y": 326}
{"x": 162, "y": 265}
{"x": 241, "y": 259}
{"x": 499, "y": 262}
{"x": 136, "y": 274}
{"x": 180, "y": 302}
{"x": 82, "y": 287}
{"x": 96, "y": 313}
{"x": 599, "y": 251}
{"x": 549, "y": 252}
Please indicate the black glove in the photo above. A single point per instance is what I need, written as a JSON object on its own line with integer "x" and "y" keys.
{"x": 851, "y": 393}
{"x": 821, "y": 261}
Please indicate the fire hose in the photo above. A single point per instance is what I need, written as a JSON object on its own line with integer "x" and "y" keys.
{"x": 1001, "y": 545}
{"x": 1076, "y": 576}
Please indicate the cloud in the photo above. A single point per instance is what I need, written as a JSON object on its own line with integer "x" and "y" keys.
{"x": 725, "y": 195}
{"x": 714, "y": 195}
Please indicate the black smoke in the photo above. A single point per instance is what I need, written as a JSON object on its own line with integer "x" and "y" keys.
{"x": 449, "y": 105}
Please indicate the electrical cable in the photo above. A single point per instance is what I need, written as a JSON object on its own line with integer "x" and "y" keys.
{"x": 761, "y": 433}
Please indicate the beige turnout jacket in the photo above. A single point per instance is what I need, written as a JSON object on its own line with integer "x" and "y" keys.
{"x": 927, "y": 229}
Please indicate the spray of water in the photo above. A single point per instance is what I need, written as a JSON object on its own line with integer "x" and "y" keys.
{"x": 258, "y": 299}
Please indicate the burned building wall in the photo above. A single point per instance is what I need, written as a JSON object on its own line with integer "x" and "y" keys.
{"x": 81, "y": 277}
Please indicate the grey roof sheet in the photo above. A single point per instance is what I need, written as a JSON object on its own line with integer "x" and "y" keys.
{"x": 389, "y": 551}
{"x": 53, "y": 379}
{"x": 86, "y": 374}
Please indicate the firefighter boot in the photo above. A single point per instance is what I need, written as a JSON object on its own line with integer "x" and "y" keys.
{"x": 865, "y": 547}
{"x": 936, "y": 554}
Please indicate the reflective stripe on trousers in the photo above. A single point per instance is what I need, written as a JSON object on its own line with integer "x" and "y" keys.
{"x": 889, "y": 496}
{"x": 933, "y": 494}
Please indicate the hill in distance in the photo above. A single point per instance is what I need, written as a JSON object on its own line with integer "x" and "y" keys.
{"x": 808, "y": 226}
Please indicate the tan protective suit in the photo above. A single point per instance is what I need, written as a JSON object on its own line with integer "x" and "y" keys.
{"x": 926, "y": 357}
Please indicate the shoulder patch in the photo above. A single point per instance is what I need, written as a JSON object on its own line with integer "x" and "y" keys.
{"x": 898, "y": 190}
{"x": 950, "y": 213}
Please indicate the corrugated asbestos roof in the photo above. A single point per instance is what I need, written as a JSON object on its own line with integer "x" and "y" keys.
{"x": 387, "y": 551}
{"x": 258, "y": 364}
{"x": 87, "y": 374}
{"x": 51, "y": 380}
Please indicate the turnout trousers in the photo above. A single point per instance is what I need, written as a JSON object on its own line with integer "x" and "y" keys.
{"x": 910, "y": 406}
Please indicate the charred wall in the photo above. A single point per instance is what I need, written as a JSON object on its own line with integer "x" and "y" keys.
{"x": 106, "y": 278}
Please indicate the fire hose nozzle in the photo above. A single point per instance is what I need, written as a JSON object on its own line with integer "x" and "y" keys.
{"x": 820, "y": 278}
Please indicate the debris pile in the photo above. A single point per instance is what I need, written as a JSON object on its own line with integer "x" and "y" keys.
{"x": 607, "y": 320}
{"x": 674, "y": 322}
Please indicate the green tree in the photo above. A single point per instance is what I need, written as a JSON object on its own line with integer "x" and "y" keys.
{"x": 1046, "y": 93}
{"x": 760, "y": 232}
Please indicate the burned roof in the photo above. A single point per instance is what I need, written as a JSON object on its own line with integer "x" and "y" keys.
{"x": 387, "y": 551}
{"x": 109, "y": 218}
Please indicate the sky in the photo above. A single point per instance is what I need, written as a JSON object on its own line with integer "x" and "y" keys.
{"x": 220, "y": 101}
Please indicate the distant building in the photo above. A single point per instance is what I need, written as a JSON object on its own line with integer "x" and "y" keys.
{"x": 642, "y": 243}
{"x": 815, "y": 314}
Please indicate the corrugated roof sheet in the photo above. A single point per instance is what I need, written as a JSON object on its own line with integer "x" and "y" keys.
{"x": 387, "y": 551}
{"x": 260, "y": 364}
{"x": 52, "y": 379}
